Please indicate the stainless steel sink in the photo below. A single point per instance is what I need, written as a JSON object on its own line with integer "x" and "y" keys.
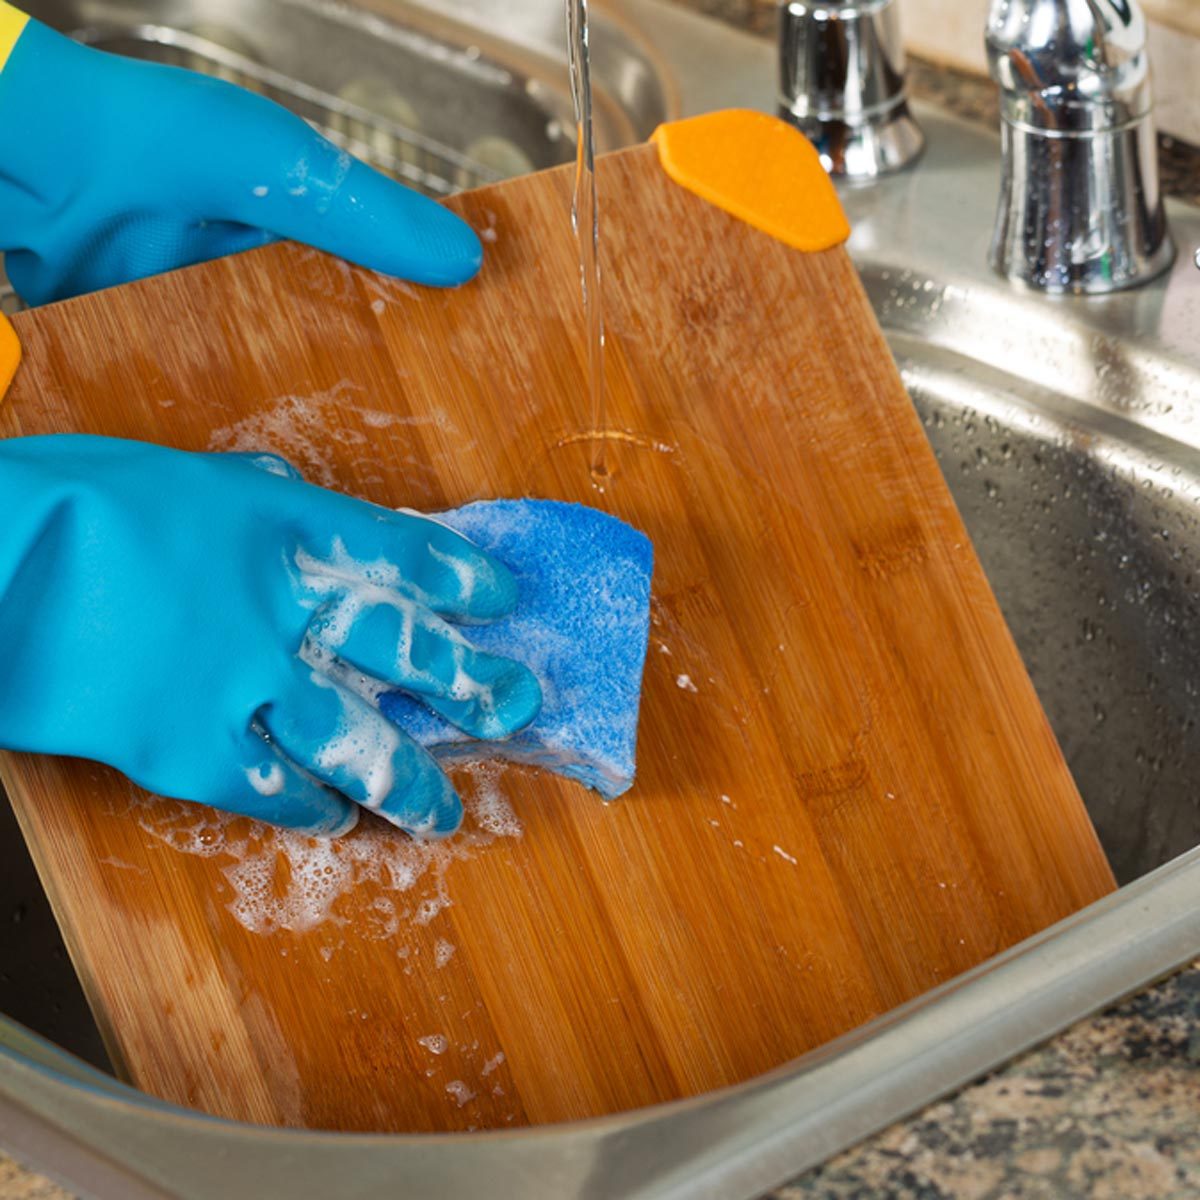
{"x": 1069, "y": 432}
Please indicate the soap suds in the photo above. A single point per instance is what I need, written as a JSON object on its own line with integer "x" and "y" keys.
{"x": 306, "y": 429}
{"x": 267, "y": 779}
{"x": 784, "y": 854}
{"x": 375, "y": 878}
{"x": 430, "y": 907}
{"x": 489, "y": 233}
{"x": 272, "y": 464}
{"x": 492, "y": 1063}
{"x": 435, "y": 1043}
{"x": 459, "y": 1092}
{"x": 462, "y": 571}
{"x": 493, "y": 813}
{"x": 363, "y": 748}
{"x": 296, "y": 428}
{"x": 443, "y": 952}
{"x": 345, "y": 589}
{"x": 685, "y": 683}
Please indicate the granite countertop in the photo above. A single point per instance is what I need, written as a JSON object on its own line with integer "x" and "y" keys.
{"x": 1109, "y": 1109}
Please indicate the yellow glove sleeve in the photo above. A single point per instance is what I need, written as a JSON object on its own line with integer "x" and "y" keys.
{"x": 12, "y": 25}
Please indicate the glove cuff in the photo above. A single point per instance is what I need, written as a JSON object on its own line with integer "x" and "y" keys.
{"x": 12, "y": 25}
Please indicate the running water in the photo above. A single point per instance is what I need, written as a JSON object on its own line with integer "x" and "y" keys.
{"x": 585, "y": 220}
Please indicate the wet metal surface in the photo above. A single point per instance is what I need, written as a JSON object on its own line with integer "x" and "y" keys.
{"x": 1069, "y": 432}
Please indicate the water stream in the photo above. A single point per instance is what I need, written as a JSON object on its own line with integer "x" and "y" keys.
{"x": 585, "y": 220}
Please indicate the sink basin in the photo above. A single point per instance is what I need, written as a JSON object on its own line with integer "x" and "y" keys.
{"x": 1069, "y": 433}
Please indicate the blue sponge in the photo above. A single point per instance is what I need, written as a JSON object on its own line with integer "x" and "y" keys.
{"x": 582, "y": 626}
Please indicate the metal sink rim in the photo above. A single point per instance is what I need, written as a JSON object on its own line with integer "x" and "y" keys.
{"x": 754, "y": 1135}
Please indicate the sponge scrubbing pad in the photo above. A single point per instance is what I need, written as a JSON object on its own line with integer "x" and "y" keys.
{"x": 581, "y": 625}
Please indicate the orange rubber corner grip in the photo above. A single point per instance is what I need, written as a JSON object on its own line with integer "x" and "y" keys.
{"x": 760, "y": 169}
{"x": 10, "y": 354}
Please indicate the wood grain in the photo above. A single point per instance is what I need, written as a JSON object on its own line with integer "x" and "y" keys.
{"x": 856, "y": 798}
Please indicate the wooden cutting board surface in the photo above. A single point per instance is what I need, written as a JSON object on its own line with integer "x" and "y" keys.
{"x": 847, "y": 791}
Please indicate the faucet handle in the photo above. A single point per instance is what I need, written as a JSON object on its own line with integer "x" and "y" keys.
{"x": 841, "y": 80}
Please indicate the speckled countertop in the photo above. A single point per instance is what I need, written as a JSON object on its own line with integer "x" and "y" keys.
{"x": 1109, "y": 1110}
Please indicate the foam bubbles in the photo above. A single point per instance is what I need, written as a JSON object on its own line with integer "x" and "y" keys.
{"x": 295, "y": 427}
{"x": 463, "y": 571}
{"x": 376, "y": 878}
{"x": 459, "y": 1092}
{"x": 267, "y": 779}
{"x": 305, "y": 429}
{"x": 364, "y": 747}
{"x": 493, "y": 813}
{"x": 430, "y": 907}
{"x": 346, "y": 589}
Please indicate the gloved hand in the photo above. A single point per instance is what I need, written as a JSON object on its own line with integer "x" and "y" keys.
{"x": 111, "y": 170}
{"x": 182, "y": 617}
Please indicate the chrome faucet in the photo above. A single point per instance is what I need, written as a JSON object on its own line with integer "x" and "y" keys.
{"x": 1080, "y": 208}
{"x": 841, "y": 81}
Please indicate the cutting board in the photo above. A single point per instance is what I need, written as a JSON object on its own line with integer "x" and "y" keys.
{"x": 847, "y": 791}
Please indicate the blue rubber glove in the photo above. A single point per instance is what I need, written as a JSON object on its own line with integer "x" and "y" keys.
{"x": 112, "y": 170}
{"x": 180, "y": 617}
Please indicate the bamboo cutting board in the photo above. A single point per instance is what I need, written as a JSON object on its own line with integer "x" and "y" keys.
{"x": 847, "y": 791}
